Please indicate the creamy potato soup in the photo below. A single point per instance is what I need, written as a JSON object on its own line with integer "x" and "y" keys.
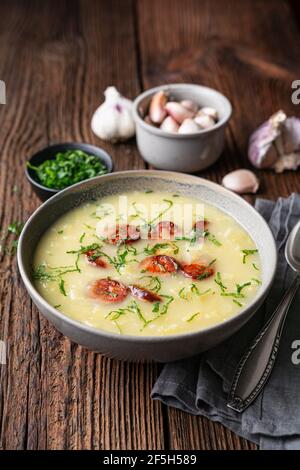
{"x": 147, "y": 264}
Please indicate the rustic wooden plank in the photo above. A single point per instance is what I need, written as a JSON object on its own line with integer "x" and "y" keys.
{"x": 249, "y": 51}
{"x": 57, "y": 57}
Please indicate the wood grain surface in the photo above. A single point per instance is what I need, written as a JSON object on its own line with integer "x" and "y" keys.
{"x": 57, "y": 57}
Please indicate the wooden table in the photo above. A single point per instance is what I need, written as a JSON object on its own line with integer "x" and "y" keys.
{"x": 57, "y": 57}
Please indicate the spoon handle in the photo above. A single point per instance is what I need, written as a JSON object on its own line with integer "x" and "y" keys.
{"x": 256, "y": 365}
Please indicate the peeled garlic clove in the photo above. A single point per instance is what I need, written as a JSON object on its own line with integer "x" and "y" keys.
{"x": 169, "y": 125}
{"x": 204, "y": 121}
{"x": 178, "y": 112}
{"x": 241, "y": 181}
{"x": 265, "y": 144}
{"x": 208, "y": 111}
{"x": 113, "y": 119}
{"x": 188, "y": 127}
{"x": 157, "y": 110}
{"x": 190, "y": 105}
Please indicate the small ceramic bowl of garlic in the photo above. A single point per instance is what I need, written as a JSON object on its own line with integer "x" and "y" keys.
{"x": 181, "y": 127}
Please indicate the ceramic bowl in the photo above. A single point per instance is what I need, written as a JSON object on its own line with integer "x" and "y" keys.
{"x": 188, "y": 153}
{"x": 50, "y": 152}
{"x": 135, "y": 348}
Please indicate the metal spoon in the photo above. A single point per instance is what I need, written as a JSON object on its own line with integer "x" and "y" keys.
{"x": 257, "y": 363}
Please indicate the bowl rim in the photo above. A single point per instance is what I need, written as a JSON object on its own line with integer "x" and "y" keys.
{"x": 159, "y": 132}
{"x": 253, "y": 305}
{"x": 56, "y": 146}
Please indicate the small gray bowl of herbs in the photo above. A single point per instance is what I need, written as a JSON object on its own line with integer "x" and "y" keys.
{"x": 61, "y": 165}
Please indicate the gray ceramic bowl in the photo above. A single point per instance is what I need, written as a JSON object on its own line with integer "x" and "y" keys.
{"x": 182, "y": 152}
{"x": 134, "y": 348}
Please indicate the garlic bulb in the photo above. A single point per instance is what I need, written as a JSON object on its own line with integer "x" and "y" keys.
{"x": 241, "y": 181}
{"x": 276, "y": 143}
{"x": 113, "y": 120}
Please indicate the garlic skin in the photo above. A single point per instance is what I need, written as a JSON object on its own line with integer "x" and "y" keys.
{"x": 113, "y": 119}
{"x": 188, "y": 127}
{"x": 169, "y": 125}
{"x": 276, "y": 143}
{"x": 241, "y": 181}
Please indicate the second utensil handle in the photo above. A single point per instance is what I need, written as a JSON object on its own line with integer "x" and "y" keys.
{"x": 256, "y": 365}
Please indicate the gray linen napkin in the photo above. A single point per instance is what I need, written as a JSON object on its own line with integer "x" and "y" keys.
{"x": 200, "y": 385}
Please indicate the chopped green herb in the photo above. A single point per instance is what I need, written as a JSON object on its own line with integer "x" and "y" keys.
{"x": 202, "y": 276}
{"x": 154, "y": 283}
{"x": 60, "y": 232}
{"x": 218, "y": 280}
{"x": 237, "y": 302}
{"x": 161, "y": 246}
{"x": 81, "y": 238}
{"x": 57, "y": 306}
{"x": 118, "y": 326}
{"x": 148, "y": 191}
{"x": 89, "y": 227}
{"x": 185, "y": 293}
{"x": 176, "y": 195}
{"x": 196, "y": 234}
{"x": 165, "y": 306}
{"x": 239, "y": 287}
{"x": 160, "y": 309}
{"x": 182, "y": 294}
{"x": 48, "y": 273}
{"x": 62, "y": 287}
{"x": 195, "y": 290}
{"x": 257, "y": 281}
{"x": 255, "y": 267}
{"x": 13, "y": 247}
{"x": 247, "y": 253}
{"x": 161, "y": 213}
{"x": 153, "y": 249}
{"x": 84, "y": 249}
{"x": 138, "y": 214}
{"x": 14, "y": 228}
{"x": 118, "y": 261}
{"x": 236, "y": 295}
{"x": 132, "y": 307}
{"x": 192, "y": 239}
{"x": 193, "y": 316}
{"x": 68, "y": 168}
{"x": 212, "y": 238}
